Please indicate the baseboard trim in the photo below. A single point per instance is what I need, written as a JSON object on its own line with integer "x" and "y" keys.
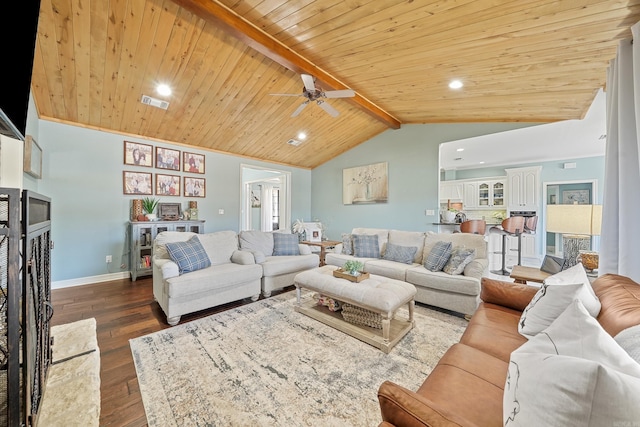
{"x": 59, "y": 284}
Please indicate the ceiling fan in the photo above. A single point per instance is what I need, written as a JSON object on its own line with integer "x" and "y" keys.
{"x": 313, "y": 93}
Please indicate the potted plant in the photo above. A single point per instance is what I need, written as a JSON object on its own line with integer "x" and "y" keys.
{"x": 353, "y": 267}
{"x": 149, "y": 205}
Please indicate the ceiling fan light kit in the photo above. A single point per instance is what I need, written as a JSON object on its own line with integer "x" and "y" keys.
{"x": 313, "y": 93}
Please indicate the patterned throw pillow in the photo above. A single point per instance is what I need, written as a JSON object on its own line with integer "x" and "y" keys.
{"x": 366, "y": 246}
{"x": 189, "y": 255}
{"x": 459, "y": 259}
{"x": 403, "y": 254}
{"x": 285, "y": 244}
{"x": 438, "y": 256}
{"x": 347, "y": 244}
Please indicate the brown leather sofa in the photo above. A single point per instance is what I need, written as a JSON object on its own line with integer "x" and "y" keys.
{"x": 466, "y": 386}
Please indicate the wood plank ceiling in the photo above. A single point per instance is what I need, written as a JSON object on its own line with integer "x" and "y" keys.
{"x": 520, "y": 61}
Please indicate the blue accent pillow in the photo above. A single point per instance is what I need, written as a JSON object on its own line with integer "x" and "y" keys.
{"x": 189, "y": 255}
{"x": 458, "y": 260}
{"x": 285, "y": 244}
{"x": 366, "y": 246}
{"x": 438, "y": 256}
{"x": 403, "y": 254}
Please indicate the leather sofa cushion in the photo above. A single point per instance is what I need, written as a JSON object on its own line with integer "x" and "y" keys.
{"x": 512, "y": 295}
{"x": 620, "y": 299}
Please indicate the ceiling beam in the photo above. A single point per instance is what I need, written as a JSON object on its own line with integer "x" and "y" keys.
{"x": 237, "y": 26}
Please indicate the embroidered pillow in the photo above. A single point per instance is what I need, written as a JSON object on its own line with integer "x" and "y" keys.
{"x": 347, "y": 244}
{"x": 545, "y": 307}
{"x": 577, "y": 274}
{"x": 458, "y": 260}
{"x": 366, "y": 246}
{"x": 573, "y": 373}
{"x": 438, "y": 256}
{"x": 189, "y": 255}
{"x": 285, "y": 244}
{"x": 403, "y": 254}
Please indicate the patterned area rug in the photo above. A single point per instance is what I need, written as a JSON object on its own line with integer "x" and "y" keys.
{"x": 264, "y": 364}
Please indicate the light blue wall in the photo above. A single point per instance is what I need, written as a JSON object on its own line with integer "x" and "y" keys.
{"x": 82, "y": 174}
{"x": 412, "y": 153}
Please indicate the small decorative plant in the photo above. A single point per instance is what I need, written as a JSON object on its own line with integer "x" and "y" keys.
{"x": 353, "y": 267}
{"x": 149, "y": 204}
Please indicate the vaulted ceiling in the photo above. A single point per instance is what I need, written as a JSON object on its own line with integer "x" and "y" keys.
{"x": 520, "y": 61}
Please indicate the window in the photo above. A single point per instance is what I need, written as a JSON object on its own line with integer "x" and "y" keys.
{"x": 275, "y": 208}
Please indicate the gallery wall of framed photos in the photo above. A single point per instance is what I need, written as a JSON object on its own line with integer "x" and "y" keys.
{"x": 165, "y": 182}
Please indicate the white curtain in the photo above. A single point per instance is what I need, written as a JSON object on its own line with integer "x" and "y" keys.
{"x": 266, "y": 218}
{"x": 620, "y": 238}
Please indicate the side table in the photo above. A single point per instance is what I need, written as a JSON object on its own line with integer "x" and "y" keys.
{"x": 521, "y": 274}
{"x": 324, "y": 245}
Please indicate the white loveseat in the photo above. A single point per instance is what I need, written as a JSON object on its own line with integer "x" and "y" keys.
{"x": 278, "y": 271}
{"x": 233, "y": 275}
{"x": 459, "y": 292}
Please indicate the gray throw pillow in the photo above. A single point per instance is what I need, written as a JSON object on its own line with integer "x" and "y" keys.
{"x": 438, "y": 256}
{"x": 403, "y": 254}
{"x": 189, "y": 255}
{"x": 285, "y": 244}
{"x": 458, "y": 260}
{"x": 366, "y": 246}
{"x": 347, "y": 244}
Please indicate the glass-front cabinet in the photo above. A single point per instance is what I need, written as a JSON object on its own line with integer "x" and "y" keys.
{"x": 491, "y": 194}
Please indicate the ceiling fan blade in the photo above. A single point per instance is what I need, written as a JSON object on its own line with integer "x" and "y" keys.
{"x": 309, "y": 84}
{"x": 328, "y": 108}
{"x": 286, "y": 94}
{"x": 299, "y": 109}
{"x": 347, "y": 93}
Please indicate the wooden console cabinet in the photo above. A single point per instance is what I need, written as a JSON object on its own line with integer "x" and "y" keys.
{"x": 141, "y": 235}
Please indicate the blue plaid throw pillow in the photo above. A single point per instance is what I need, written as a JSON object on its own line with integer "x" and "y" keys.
{"x": 404, "y": 254}
{"x": 438, "y": 256}
{"x": 189, "y": 255}
{"x": 285, "y": 244}
{"x": 366, "y": 246}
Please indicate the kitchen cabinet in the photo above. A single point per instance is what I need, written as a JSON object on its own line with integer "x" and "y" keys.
{"x": 470, "y": 193}
{"x": 141, "y": 236}
{"x": 524, "y": 188}
{"x": 490, "y": 193}
{"x": 451, "y": 190}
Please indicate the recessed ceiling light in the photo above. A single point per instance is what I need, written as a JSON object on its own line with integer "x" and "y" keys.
{"x": 302, "y": 136}
{"x": 455, "y": 84}
{"x": 460, "y": 149}
{"x": 163, "y": 89}
{"x": 482, "y": 163}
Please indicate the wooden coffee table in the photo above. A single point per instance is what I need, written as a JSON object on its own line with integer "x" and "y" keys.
{"x": 521, "y": 274}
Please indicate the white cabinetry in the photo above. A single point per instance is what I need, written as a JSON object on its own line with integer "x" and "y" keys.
{"x": 450, "y": 190}
{"x": 524, "y": 188}
{"x": 470, "y": 199}
{"x": 490, "y": 193}
{"x": 11, "y": 162}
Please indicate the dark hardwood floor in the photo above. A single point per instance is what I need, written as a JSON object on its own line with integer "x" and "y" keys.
{"x": 123, "y": 310}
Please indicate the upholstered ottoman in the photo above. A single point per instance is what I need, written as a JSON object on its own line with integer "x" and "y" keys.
{"x": 378, "y": 294}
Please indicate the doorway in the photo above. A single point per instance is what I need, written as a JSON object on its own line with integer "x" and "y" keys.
{"x": 566, "y": 192}
{"x": 266, "y": 198}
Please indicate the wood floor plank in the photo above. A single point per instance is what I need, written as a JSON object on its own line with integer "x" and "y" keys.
{"x": 123, "y": 310}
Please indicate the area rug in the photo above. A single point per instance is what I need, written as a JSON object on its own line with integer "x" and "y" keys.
{"x": 263, "y": 364}
{"x": 72, "y": 393}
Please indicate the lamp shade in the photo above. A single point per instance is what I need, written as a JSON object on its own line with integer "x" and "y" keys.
{"x": 574, "y": 219}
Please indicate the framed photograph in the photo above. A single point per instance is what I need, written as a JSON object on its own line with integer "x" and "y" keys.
{"x": 137, "y": 183}
{"x": 193, "y": 162}
{"x": 32, "y": 161}
{"x": 167, "y": 158}
{"x": 313, "y": 231}
{"x": 137, "y": 154}
{"x": 571, "y": 197}
{"x": 365, "y": 184}
{"x": 194, "y": 187}
{"x": 167, "y": 185}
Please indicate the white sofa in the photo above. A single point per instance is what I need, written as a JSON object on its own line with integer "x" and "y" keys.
{"x": 233, "y": 275}
{"x": 459, "y": 293}
{"x": 278, "y": 271}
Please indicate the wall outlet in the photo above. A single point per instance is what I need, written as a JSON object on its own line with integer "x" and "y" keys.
{"x": 221, "y": 211}
{"x": 430, "y": 212}
{"x": 109, "y": 259}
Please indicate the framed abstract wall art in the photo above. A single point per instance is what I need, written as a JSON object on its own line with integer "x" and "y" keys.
{"x": 365, "y": 184}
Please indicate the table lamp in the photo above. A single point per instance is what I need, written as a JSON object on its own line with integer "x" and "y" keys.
{"x": 576, "y": 223}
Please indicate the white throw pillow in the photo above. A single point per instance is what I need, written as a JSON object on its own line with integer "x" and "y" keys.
{"x": 571, "y": 374}
{"x": 577, "y": 274}
{"x": 545, "y": 307}
{"x": 629, "y": 340}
